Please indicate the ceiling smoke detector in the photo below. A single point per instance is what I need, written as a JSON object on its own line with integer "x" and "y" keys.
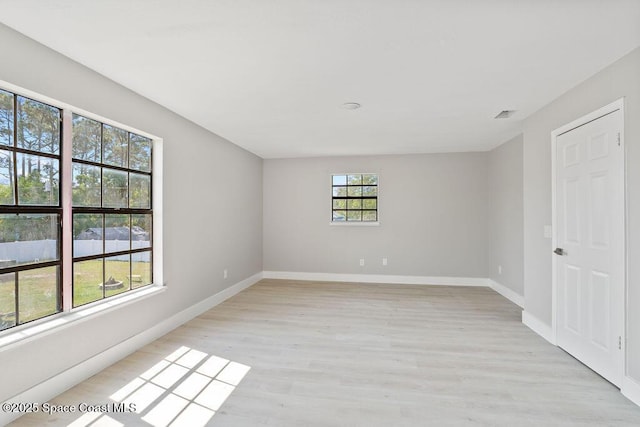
{"x": 351, "y": 105}
{"x": 505, "y": 114}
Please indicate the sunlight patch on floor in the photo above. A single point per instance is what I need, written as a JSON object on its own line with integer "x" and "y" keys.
{"x": 186, "y": 388}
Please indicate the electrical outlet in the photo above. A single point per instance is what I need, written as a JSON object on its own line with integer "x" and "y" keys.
{"x": 225, "y": 274}
{"x": 499, "y": 269}
{"x": 384, "y": 261}
{"x": 361, "y": 262}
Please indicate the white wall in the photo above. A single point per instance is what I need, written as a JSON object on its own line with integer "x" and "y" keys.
{"x": 432, "y": 210}
{"x": 621, "y": 79}
{"x": 506, "y": 240}
{"x": 212, "y": 211}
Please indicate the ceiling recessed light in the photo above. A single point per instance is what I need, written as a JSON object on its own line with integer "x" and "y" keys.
{"x": 505, "y": 114}
{"x": 351, "y": 105}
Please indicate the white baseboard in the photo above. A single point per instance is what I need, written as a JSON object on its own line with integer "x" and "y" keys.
{"x": 395, "y": 279}
{"x": 509, "y": 294}
{"x": 376, "y": 278}
{"x": 631, "y": 389}
{"x": 52, "y": 387}
{"x": 539, "y": 327}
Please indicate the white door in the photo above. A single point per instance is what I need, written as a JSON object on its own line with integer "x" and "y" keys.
{"x": 590, "y": 264}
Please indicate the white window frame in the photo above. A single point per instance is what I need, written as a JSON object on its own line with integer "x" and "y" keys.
{"x": 353, "y": 223}
{"x": 68, "y": 315}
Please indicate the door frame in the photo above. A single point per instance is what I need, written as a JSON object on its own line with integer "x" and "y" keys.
{"x": 594, "y": 115}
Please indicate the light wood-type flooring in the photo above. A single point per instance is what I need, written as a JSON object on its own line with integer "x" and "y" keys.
{"x": 286, "y": 353}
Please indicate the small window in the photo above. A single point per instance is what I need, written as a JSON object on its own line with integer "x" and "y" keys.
{"x": 354, "y": 198}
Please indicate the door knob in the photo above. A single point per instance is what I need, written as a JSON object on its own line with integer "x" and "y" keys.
{"x": 559, "y": 251}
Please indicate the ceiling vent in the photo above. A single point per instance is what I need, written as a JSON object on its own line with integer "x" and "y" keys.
{"x": 505, "y": 114}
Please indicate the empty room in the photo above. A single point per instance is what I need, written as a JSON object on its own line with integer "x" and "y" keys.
{"x": 319, "y": 213}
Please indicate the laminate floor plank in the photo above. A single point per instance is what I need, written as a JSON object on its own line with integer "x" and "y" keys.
{"x": 345, "y": 354}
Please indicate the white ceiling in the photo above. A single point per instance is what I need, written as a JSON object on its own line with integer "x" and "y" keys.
{"x": 271, "y": 75}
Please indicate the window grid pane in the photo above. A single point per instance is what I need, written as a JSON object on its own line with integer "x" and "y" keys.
{"x": 354, "y": 198}
{"x": 38, "y": 126}
{"x": 139, "y": 153}
{"x": 38, "y": 293}
{"x": 115, "y": 188}
{"x": 87, "y": 277}
{"x": 28, "y": 238}
{"x": 115, "y": 146}
{"x": 86, "y": 185}
{"x": 88, "y": 230}
{"x": 6, "y": 120}
{"x": 38, "y": 180}
{"x": 141, "y": 269}
{"x": 139, "y": 191}
{"x": 7, "y": 300}
{"x": 7, "y": 181}
{"x": 117, "y": 271}
{"x": 87, "y": 139}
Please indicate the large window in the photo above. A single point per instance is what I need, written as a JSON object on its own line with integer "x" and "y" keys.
{"x": 55, "y": 164}
{"x": 354, "y": 198}
{"x": 30, "y": 210}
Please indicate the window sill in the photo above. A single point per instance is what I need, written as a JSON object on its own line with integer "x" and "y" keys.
{"x": 60, "y": 321}
{"x": 355, "y": 224}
